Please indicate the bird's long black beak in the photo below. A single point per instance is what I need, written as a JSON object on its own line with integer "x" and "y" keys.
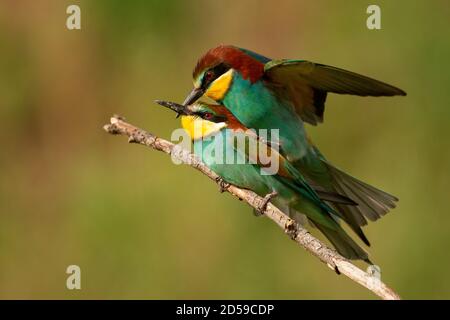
{"x": 178, "y": 108}
{"x": 195, "y": 94}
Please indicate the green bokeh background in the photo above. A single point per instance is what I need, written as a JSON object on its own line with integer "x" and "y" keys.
{"x": 141, "y": 227}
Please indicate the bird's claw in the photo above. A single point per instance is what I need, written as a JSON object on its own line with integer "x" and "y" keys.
{"x": 336, "y": 269}
{"x": 263, "y": 206}
{"x": 222, "y": 184}
{"x": 257, "y": 213}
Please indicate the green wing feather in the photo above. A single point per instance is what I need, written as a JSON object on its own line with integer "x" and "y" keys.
{"x": 320, "y": 214}
{"x": 289, "y": 177}
{"x": 306, "y": 84}
{"x": 285, "y": 168}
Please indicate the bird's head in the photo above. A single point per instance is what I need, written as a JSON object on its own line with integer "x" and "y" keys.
{"x": 201, "y": 119}
{"x": 213, "y": 75}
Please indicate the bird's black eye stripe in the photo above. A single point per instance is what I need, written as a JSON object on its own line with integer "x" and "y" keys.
{"x": 212, "y": 117}
{"x": 220, "y": 69}
{"x": 213, "y": 73}
{"x": 218, "y": 119}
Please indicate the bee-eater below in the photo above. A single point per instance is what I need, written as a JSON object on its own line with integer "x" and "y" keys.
{"x": 208, "y": 125}
{"x": 283, "y": 94}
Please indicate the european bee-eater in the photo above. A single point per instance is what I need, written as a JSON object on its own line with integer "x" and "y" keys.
{"x": 283, "y": 94}
{"x": 209, "y": 125}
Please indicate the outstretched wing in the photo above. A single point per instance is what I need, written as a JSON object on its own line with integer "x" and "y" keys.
{"x": 306, "y": 84}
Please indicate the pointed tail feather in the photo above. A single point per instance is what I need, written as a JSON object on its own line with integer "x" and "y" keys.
{"x": 372, "y": 202}
{"x": 345, "y": 245}
{"x": 334, "y": 197}
{"x": 325, "y": 218}
{"x": 342, "y": 205}
{"x": 348, "y": 215}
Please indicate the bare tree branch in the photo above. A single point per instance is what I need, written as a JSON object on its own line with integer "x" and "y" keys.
{"x": 296, "y": 232}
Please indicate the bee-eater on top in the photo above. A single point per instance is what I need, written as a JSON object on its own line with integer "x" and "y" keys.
{"x": 283, "y": 94}
{"x": 209, "y": 127}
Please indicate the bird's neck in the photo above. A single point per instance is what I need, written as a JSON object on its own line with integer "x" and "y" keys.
{"x": 198, "y": 128}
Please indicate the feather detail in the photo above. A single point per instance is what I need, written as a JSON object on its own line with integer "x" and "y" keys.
{"x": 249, "y": 67}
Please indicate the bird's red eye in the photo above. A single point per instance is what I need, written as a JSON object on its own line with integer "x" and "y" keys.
{"x": 209, "y": 75}
{"x": 207, "y": 116}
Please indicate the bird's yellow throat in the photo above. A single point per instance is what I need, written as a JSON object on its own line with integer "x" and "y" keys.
{"x": 198, "y": 128}
{"x": 220, "y": 86}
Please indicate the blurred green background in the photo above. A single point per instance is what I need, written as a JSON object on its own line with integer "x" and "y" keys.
{"x": 141, "y": 227}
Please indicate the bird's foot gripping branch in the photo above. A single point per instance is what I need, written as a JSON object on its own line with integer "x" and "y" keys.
{"x": 118, "y": 126}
